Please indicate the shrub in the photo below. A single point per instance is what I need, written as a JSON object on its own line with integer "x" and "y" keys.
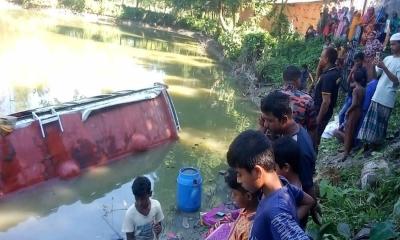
{"x": 211, "y": 28}
{"x": 286, "y": 52}
{"x": 169, "y": 20}
{"x": 134, "y": 14}
{"x": 232, "y": 44}
{"x": 254, "y": 44}
{"x": 346, "y": 208}
{"x": 74, "y": 5}
{"x": 153, "y": 18}
{"x": 187, "y": 22}
{"x": 35, "y": 3}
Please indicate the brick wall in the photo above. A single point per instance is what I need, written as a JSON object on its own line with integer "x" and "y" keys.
{"x": 301, "y": 15}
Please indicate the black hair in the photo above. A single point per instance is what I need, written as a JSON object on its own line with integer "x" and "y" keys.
{"x": 251, "y": 148}
{"x": 277, "y": 103}
{"x": 377, "y": 27}
{"x": 359, "y": 56}
{"x": 141, "y": 187}
{"x": 331, "y": 54}
{"x": 231, "y": 180}
{"x": 287, "y": 151}
{"x": 360, "y": 76}
{"x": 291, "y": 74}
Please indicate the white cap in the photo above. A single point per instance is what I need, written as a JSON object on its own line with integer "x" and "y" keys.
{"x": 395, "y": 37}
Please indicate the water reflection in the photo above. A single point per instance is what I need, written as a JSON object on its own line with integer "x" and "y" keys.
{"x": 149, "y": 40}
{"x": 93, "y": 185}
{"x": 64, "y": 59}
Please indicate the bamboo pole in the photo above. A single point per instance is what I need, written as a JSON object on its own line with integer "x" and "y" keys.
{"x": 365, "y": 5}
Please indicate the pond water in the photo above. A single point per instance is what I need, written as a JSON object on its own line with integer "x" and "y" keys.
{"x": 47, "y": 59}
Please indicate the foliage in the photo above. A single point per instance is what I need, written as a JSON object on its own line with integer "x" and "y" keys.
{"x": 346, "y": 208}
{"x": 74, "y": 5}
{"x": 280, "y": 22}
{"x": 394, "y": 121}
{"x": 204, "y": 25}
{"x": 134, "y": 14}
{"x": 207, "y": 26}
{"x": 35, "y": 3}
{"x": 383, "y": 231}
{"x": 102, "y": 7}
{"x": 255, "y": 43}
{"x": 232, "y": 43}
{"x": 288, "y": 51}
{"x": 246, "y": 42}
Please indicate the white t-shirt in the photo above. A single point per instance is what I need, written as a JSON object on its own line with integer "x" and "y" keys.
{"x": 142, "y": 225}
{"x": 387, "y": 26}
{"x": 385, "y": 93}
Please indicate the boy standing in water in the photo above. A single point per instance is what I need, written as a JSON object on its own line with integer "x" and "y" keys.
{"x": 143, "y": 219}
{"x": 250, "y": 154}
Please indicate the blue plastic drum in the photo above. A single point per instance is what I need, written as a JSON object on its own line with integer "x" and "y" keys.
{"x": 189, "y": 189}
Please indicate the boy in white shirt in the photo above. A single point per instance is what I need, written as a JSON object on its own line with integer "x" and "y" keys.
{"x": 143, "y": 219}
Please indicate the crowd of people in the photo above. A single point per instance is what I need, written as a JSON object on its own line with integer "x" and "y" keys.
{"x": 361, "y": 41}
{"x": 349, "y": 24}
{"x": 272, "y": 168}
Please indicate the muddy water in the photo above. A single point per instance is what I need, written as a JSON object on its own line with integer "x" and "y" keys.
{"x": 48, "y": 58}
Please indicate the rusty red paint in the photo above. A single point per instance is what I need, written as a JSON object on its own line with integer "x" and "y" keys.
{"x": 26, "y": 158}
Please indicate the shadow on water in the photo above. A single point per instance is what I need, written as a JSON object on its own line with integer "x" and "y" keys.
{"x": 140, "y": 38}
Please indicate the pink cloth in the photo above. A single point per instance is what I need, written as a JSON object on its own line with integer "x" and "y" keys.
{"x": 222, "y": 232}
{"x": 367, "y": 18}
{"x": 342, "y": 23}
{"x": 210, "y": 218}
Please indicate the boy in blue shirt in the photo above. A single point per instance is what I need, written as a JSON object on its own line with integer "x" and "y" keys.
{"x": 251, "y": 155}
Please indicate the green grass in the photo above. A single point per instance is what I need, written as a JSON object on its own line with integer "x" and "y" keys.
{"x": 346, "y": 207}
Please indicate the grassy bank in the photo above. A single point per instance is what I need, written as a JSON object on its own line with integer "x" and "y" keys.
{"x": 347, "y": 208}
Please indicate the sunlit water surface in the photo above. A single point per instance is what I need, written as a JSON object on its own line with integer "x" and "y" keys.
{"x": 46, "y": 60}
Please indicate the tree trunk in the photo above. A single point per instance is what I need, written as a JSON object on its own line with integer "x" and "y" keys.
{"x": 234, "y": 18}
{"x": 222, "y": 21}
